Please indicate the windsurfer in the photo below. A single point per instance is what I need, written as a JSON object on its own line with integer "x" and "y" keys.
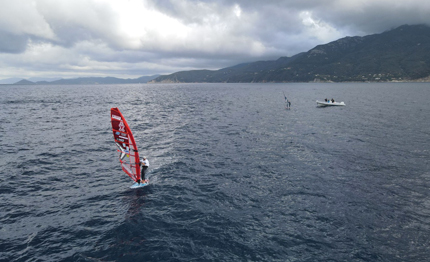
{"x": 144, "y": 164}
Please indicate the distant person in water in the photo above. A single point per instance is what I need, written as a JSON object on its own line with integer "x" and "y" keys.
{"x": 144, "y": 164}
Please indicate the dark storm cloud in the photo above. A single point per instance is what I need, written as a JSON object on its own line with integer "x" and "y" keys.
{"x": 375, "y": 16}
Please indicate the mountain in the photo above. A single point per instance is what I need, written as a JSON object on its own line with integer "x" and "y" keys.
{"x": 42, "y": 79}
{"x": 235, "y": 74}
{"x": 90, "y": 81}
{"x": 401, "y": 54}
{"x": 24, "y": 82}
{"x": 100, "y": 80}
{"x": 9, "y": 81}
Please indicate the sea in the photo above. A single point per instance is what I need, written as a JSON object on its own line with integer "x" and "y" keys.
{"x": 234, "y": 175}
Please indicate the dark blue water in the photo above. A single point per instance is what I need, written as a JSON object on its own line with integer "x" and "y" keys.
{"x": 234, "y": 176}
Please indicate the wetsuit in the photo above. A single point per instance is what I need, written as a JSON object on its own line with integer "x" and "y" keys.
{"x": 144, "y": 163}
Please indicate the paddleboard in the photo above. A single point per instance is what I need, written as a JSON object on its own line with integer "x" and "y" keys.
{"x": 137, "y": 185}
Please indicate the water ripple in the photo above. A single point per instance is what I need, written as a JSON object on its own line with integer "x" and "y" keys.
{"x": 234, "y": 176}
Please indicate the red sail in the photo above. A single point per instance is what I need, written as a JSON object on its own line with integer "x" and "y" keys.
{"x": 129, "y": 156}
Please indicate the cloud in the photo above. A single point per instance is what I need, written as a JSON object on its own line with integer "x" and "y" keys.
{"x": 12, "y": 43}
{"x": 373, "y": 16}
{"x": 141, "y": 37}
{"x": 22, "y": 17}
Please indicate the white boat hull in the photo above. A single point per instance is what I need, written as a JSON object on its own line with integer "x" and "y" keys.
{"x": 323, "y": 103}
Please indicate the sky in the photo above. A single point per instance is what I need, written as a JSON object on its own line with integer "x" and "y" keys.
{"x": 133, "y": 38}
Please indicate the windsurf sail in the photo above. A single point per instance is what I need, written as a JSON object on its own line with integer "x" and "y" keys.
{"x": 124, "y": 140}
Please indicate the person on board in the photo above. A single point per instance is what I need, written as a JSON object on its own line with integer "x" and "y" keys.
{"x": 144, "y": 164}
{"x": 287, "y": 102}
{"x": 332, "y": 100}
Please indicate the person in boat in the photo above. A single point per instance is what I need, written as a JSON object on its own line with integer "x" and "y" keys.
{"x": 332, "y": 100}
{"x": 144, "y": 164}
{"x": 325, "y": 100}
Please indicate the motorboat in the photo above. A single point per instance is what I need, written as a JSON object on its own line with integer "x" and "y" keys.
{"x": 329, "y": 103}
